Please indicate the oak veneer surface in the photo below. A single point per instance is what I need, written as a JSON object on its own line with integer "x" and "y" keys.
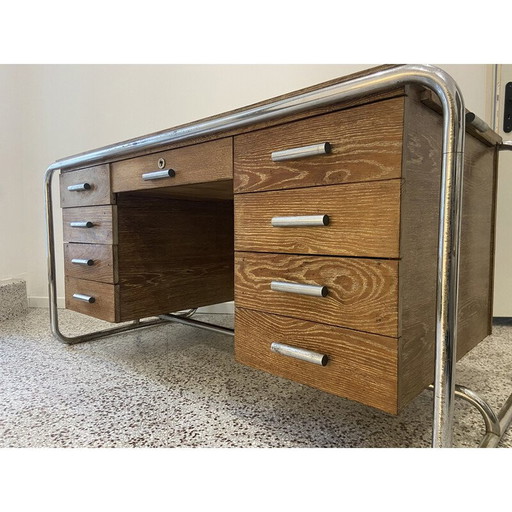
{"x": 364, "y": 220}
{"x": 173, "y": 254}
{"x": 104, "y": 268}
{"x": 366, "y": 145}
{"x": 362, "y": 293}
{"x": 199, "y": 163}
{"x": 103, "y": 231}
{"x": 105, "y": 306}
{"x": 361, "y": 366}
{"x": 419, "y": 232}
{"x": 98, "y": 178}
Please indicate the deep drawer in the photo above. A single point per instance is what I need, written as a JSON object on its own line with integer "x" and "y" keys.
{"x": 363, "y": 220}
{"x": 99, "y": 300}
{"x": 360, "y": 366}
{"x": 86, "y": 187}
{"x": 365, "y": 144}
{"x": 359, "y": 293}
{"x": 200, "y": 163}
{"x": 91, "y": 261}
{"x": 90, "y": 225}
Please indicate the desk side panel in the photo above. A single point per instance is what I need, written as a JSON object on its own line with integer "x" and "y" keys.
{"x": 418, "y": 246}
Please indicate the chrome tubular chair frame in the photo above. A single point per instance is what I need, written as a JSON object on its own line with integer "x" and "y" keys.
{"x": 454, "y": 121}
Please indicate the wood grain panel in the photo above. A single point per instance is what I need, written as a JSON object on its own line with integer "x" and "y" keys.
{"x": 173, "y": 254}
{"x": 361, "y": 366}
{"x": 364, "y": 220}
{"x": 97, "y": 177}
{"x": 103, "y": 231}
{"x": 104, "y": 268}
{"x": 363, "y": 293}
{"x": 106, "y": 298}
{"x": 200, "y": 163}
{"x": 419, "y": 231}
{"x": 366, "y": 145}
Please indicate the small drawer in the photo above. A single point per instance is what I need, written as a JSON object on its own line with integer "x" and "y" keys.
{"x": 86, "y": 187}
{"x": 358, "y": 366}
{"x": 357, "y": 293}
{"x": 200, "y": 163}
{"x": 99, "y": 300}
{"x": 358, "y": 219}
{"x": 90, "y": 225}
{"x": 91, "y": 261}
{"x": 363, "y": 144}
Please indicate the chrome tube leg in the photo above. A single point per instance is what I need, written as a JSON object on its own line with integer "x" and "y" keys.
{"x": 447, "y": 299}
{"x": 492, "y": 422}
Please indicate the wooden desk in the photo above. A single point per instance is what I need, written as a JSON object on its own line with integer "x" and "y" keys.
{"x": 217, "y": 226}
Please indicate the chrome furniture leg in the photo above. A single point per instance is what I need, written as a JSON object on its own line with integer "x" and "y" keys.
{"x": 453, "y": 113}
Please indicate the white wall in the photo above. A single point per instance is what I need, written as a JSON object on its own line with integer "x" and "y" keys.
{"x": 59, "y": 110}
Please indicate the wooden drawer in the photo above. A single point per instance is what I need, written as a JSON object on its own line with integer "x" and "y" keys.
{"x": 105, "y": 298}
{"x": 362, "y": 294}
{"x": 366, "y": 144}
{"x": 86, "y": 187}
{"x": 363, "y": 220}
{"x": 200, "y": 163}
{"x": 360, "y": 366}
{"x": 101, "y": 219}
{"x": 91, "y": 261}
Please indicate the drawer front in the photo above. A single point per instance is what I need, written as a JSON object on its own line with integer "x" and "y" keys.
{"x": 99, "y": 300}
{"x": 363, "y": 220}
{"x": 360, "y": 366}
{"x": 200, "y": 163}
{"x": 91, "y": 261}
{"x": 356, "y": 293}
{"x": 365, "y": 144}
{"x": 90, "y": 225}
{"x": 86, "y": 187}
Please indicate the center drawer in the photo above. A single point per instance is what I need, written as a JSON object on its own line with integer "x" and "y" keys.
{"x": 201, "y": 163}
{"x": 357, "y": 219}
{"x": 357, "y": 293}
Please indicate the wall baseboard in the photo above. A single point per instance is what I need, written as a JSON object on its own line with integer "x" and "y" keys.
{"x": 223, "y": 308}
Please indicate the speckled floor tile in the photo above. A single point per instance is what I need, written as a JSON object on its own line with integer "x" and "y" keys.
{"x": 174, "y": 386}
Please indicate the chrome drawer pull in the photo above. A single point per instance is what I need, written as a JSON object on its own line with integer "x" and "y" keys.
{"x": 79, "y": 187}
{"x": 158, "y": 175}
{"x": 85, "y": 298}
{"x": 79, "y": 261}
{"x": 300, "y": 353}
{"x": 291, "y": 154}
{"x": 300, "y": 221}
{"x": 301, "y": 289}
{"x": 81, "y": 224}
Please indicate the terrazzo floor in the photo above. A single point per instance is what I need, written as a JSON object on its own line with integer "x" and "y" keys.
{"x": 175, "y": 386}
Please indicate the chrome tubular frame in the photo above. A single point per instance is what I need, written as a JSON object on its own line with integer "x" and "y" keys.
{"x": 453, "y": 112}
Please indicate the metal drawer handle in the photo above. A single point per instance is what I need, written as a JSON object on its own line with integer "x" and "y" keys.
{"x": 301, "y": 289}
{"x": 158, "y": 175}
{"x": 79, "y": 261}
{"x": 79, "y": 187}
{"x": 84, "y": 298}
{"x": 300, "y": 353}
{"x": 303, "y": 152}
{"x": 81, "y": 224}
{"x": 300, "y": 221}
